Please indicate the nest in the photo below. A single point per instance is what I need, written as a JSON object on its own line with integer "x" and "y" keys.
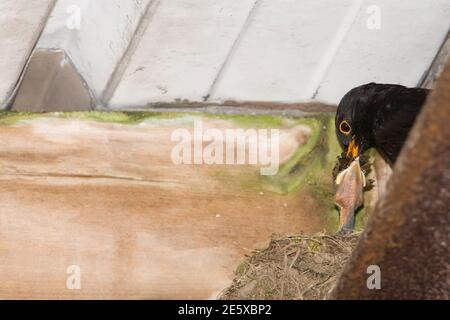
{"x": 343, "y": 162}
{"x": 295, "y": 267}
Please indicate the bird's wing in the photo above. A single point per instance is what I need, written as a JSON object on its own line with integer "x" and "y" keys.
{"x": 397, "y": 111}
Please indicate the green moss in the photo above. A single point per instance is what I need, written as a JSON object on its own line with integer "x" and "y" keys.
{"x": 127, "y": 118}
{"x": 306, "y": 167}
{"x": 309, "y": 169}
{"x": 110, "y": 117}
{"x": 10, "y": 118}
{"x": 131, "y": 118}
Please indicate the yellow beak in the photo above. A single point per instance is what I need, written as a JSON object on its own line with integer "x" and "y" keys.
{"x": 352, "y": 149}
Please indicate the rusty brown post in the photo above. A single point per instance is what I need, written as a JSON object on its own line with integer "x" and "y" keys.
{"x": 408, "y": 235}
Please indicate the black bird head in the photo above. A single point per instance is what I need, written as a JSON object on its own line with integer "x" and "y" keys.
{"x": 354, "y": 119}
{"x": 378, "y": 115}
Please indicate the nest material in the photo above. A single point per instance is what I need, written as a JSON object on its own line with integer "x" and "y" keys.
{"x": 296, "y": 267}
{"x": 343, "y": 162}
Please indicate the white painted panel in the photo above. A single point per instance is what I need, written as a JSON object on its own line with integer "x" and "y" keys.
{"x": 21, "y": 22}
{"x": 400, "y": 52}
{"x": 106, "y": 29}
{"x": 182, "y": 51}
{"x": 282, "y": 50}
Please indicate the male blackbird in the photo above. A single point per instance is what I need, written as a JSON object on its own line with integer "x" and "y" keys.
{"x": 379, "y": 116}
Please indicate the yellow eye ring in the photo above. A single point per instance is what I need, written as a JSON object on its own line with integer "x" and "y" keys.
{"x": 345, "y": 128}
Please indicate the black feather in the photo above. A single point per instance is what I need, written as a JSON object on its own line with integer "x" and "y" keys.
{"x": 381, "y": 115}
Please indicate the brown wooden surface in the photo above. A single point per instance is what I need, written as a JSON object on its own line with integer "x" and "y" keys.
{"x": 107, "y": 197}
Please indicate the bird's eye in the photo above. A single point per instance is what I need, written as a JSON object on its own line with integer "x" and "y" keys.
{"x": 345, "y": 127}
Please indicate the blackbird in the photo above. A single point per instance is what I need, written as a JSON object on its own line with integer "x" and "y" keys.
{"x": 379, "y": 116}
